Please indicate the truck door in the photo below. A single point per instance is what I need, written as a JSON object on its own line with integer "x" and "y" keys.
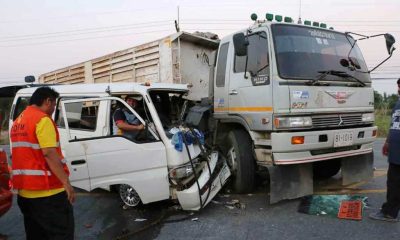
{"x": 99, "y": 158}
{"x": 250, "y": 93}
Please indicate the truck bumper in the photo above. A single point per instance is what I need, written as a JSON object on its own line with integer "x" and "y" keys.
{"x": 321, "y": 145}
{"x": 189, "y": 198}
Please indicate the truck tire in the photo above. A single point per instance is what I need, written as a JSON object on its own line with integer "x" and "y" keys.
{"x": 326, "y": 169}
{"x": 129, "y": 195}
{"x": 238, "y": 150}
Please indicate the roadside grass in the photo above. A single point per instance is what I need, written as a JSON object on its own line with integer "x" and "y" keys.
{"x": 383, "y": 123}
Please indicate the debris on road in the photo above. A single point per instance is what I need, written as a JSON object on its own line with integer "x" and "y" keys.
{"x": 140, "y": 219}
{"x": 330, "y": 205}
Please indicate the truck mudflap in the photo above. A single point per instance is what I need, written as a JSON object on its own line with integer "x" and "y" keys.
{"x": 357, "y": 168}
{"x": 290, "y": 181}
{"x": 189, "y": 199}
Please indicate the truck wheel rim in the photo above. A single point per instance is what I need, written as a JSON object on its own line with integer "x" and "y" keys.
{"x": 128, "y": 195}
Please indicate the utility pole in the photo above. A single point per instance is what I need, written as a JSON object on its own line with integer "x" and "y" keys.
{"x": 177, "y": 27}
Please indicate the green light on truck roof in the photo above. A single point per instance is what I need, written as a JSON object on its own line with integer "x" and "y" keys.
{"x": 315, "y": 24}
{"x": 269, "y": 16}
{"x": 288, "y": 19}
{"x": 253, "y": 17}
{"x": 307, "y": 22}
{"x": 323, "y": 25}
{"x": 278, "y": 18}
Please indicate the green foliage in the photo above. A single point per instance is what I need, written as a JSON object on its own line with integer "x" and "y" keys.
{"x": 383, "y": 108}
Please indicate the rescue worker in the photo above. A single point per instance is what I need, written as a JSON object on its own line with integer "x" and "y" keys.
{"x": 390, "y": 209}
{"x": 125, "y": 122}
{"x": 39, "y": 171}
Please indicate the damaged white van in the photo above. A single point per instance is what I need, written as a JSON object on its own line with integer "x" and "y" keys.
{"x": 151, "y": 167}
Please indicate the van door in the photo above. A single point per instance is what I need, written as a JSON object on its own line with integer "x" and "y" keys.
{"x": 111, "y": 159}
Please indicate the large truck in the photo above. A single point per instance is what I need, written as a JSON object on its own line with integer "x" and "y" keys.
{"x": 295, "y": 99}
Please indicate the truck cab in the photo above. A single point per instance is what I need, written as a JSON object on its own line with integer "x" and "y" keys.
{"x": 300, "y": 99}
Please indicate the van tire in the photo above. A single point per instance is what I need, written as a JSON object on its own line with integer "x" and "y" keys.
{"x": 238, "y": 150}
{"x": 326, "y": 169}
{"x": 128, "y": 195}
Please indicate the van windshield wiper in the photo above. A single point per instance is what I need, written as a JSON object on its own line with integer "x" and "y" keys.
{"x": 342, "y": 74}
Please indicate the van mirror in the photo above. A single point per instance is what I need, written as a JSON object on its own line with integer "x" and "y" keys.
{"x": 389, "y": 43}
{"x": 240, "y": 42}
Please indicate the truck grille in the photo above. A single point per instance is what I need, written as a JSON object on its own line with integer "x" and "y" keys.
{"x": 336, "y": 120}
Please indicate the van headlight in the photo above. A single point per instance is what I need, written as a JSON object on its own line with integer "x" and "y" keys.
{"x": 368, "y": 117}
{"x": 182, "y": 171}
{"x": 292, "y": 122}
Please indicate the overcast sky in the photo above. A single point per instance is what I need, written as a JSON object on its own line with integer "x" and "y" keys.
{"x": 38, "y": 36}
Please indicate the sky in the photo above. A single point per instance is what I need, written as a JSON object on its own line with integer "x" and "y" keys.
{"x": 39, "y": 36}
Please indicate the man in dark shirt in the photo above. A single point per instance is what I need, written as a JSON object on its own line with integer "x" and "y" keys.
{"x": 125, "y": 121}
{"x": 391, "y": 207}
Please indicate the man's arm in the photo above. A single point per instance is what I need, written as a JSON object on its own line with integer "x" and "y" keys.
{"x": 128, "y": 127}
{"x": 53, "y": 159}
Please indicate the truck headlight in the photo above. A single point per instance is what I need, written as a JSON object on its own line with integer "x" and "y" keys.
{"x": 368, "y": 117}
{"x": 292, "y": 122}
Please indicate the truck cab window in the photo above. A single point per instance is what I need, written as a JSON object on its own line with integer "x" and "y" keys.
{"x": 221, "y": 65}
{"x": 258, "y": 56}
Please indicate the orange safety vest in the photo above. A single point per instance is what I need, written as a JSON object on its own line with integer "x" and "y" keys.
{"x": 29, "y": 167}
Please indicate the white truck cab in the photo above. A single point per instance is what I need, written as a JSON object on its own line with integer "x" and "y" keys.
{"x": 146, "y": 169}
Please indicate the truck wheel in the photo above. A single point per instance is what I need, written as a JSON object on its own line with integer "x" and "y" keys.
{"x": 240, "y": 159}
{"x": 128, "y": 195}
{"x": 326, "y": 169}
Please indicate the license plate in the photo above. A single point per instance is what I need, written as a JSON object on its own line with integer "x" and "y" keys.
{"x": 343, "y": 139}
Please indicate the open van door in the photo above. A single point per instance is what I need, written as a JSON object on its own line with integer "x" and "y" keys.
{"x": 97, "y": 158}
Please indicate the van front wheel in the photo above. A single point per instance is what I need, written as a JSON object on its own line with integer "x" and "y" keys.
{"x": 238, "y": 150}
{"x": 129, "y": 195}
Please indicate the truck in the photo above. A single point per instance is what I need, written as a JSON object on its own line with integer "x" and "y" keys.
{"x": 292, "y": 99}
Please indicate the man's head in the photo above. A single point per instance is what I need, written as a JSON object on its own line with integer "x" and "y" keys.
{"x": 45, "y": 99}
{"x": 131, "y": 101}
{"x": 398, "y": 86}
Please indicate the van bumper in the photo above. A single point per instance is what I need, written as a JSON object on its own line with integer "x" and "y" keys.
{"x": 189, "y": 198}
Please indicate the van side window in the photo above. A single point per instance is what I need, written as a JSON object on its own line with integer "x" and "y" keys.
{"x": 22, "y": 103}
{"x": 258, "y": 55}
{"x": 221, "y": 65}
{"x": 82, "y": 115}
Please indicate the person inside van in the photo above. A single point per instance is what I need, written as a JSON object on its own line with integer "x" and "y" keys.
{"x": 125, "y": 122}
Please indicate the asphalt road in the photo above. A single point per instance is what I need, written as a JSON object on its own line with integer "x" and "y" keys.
{"x": 99, "y": 215}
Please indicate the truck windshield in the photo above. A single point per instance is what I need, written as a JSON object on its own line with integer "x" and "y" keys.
{"x": 306, "y": 53}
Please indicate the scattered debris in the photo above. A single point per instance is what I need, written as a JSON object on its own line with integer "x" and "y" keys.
{"x": 215, "y": 202}
{"x": 230, "y": 207}
{"x": 140, "y": 219}
{"x": 195, "y": 219}
{"x": 88, "y": 225}
{"x": 249, "y": 194}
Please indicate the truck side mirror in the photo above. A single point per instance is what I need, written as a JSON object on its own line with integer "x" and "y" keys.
{"x": 240, "y": 42}
{"x": 389, "y": 43}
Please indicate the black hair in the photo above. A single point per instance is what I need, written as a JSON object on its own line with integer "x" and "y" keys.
{"x": 41, "y": 94}
{"x": 398, "y": 81}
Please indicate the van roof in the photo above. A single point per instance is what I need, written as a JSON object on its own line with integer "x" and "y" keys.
{"x": 109, "y": 87}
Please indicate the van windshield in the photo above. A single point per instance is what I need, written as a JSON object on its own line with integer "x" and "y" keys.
{"x": 304, "y": 52}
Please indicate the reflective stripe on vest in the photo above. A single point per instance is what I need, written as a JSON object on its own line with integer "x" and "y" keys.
{"x": 25, "y": 144}
{"x": 28, "y": 144}
{"x": 31, "y": 172}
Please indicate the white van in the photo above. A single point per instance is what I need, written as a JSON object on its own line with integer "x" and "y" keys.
{"x": 146, "y": 169}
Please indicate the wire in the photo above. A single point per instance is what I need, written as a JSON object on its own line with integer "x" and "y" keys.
{"x": 79, "y": 39}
